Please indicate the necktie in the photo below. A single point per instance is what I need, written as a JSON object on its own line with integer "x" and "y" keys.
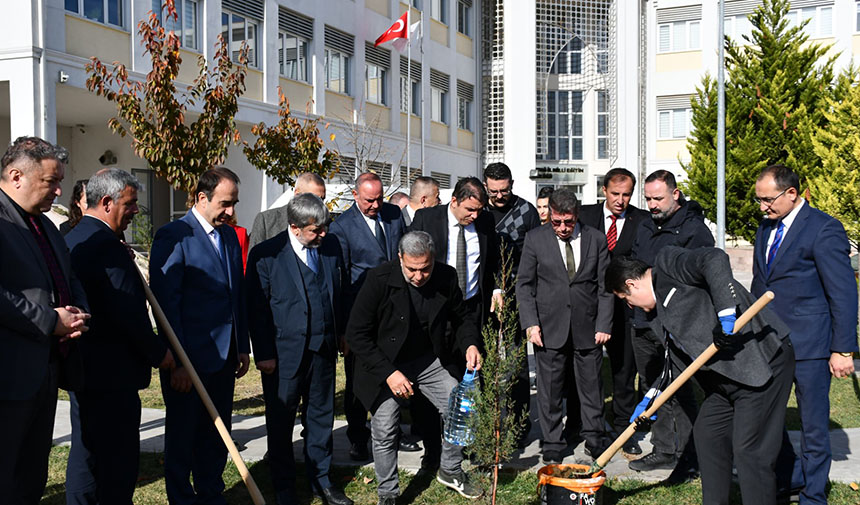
{"x": 313, "y": 259}
{"x": 612, "y": 233}
{"x": 380, "y": 237}
{"x": 570, "y": 260}
{"x": 222, "y": 252}
{"x": 462, "y": 272}
{"x": 774, "y": 247}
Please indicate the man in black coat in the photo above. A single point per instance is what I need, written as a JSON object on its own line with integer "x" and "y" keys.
{"x": 295, "y": 282}
{"x": 120, "y": 349}
{"x": 618, "y": 220}
{"x": 674, "y": 222}
{"x": 694, "y": 302}
{"x": 397, "y": 330}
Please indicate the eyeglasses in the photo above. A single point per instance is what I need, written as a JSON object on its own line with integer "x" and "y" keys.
{"x": 769, "y": 200}
{"x": 500, "y": 192}
{"x": 566, "y": 222}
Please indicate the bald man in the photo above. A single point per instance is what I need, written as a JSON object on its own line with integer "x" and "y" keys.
{"x": 271, "y": 222}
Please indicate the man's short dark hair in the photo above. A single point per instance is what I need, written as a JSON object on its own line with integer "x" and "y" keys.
{"x": 498, "y": 172}
{"x": 783, "y": 176}
{"x": 470, "y": 187}
{"x": 421, "y": 185}
{"x": 210, "y": 179}
{"x": 34, "y": 150}
{"x": 564, "y": 201}
{"x": 545, "y": 192}
{"x": 620, "y": 270}
{"x": 663, "y": 175}
{"x": 616, "y": 173}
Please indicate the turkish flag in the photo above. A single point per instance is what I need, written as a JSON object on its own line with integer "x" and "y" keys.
{"x": 399, "y": 30}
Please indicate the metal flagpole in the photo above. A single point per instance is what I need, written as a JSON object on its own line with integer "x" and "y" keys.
{"x": 721, "y": 130}
{"x": 408, "y": 98}
{"x": 421, "y": 49}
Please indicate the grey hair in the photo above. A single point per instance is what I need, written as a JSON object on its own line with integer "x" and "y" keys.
{"x": 109, "y": 182}
{"x": 306, "y": 209}
{"x": 416, "y": 244}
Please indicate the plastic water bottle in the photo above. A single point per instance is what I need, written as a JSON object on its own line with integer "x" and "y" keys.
{"x": 461, "y": 408}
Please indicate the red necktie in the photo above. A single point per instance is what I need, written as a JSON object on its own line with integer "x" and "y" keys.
{"x": 612, "y": 233}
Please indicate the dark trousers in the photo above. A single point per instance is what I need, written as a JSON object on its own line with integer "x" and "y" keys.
{"x": 743, "y": 424}
{"x": 80, "y": 481}
{"x": 811, "y": 468}
{"x": 623, "y": 366}
{"x": 28, "y": 427}
{"x": 553, "y": 365}
{"x": 314, "y": 386}
{"x": 521, "y": 391}
{"x": 191, "y": 441}
{"x": 110, "y": 431}
{"x": 670, "y": 433}
{"x": 356, "y": 415}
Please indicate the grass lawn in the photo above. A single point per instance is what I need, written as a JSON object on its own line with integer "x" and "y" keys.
{"x": 516, "y": 489}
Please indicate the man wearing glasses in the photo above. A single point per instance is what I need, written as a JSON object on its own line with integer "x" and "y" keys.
{"x": 567, "y": 315}
{"x": 802, "y": 255}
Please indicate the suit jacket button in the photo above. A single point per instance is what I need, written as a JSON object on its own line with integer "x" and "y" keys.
{"x": 401, "y": 318}
{"x": 394, "y": 339}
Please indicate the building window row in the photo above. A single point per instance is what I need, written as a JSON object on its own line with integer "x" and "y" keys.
{"x": 565, "y": 129}
{"x": 679, "y": 36}
{"x": 103, "y": 11}
{"x": 820, "y": 20}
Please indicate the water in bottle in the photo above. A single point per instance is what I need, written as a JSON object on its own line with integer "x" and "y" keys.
{"x": 461, "y": 408}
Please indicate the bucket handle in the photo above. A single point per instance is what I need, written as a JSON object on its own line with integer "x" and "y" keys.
{"x": 470, "y": 375}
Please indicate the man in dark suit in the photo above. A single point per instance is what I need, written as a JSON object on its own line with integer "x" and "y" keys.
{"x": 423, "y": 193}
{"x": 694, "y": 302}
{"x": 618, "y": 220}
{"x": 195, "y": 270}
{"x": 120, "y": 348}
{"x": 802, "y": 255}
{"x": 43, "y": 307}
{"x": 397, "y": 332}
{"x": 293, "y": 278}
{"x": 368, "y": 233}
{"x": 269, "y": 223}
{"x": 567, "y": 315}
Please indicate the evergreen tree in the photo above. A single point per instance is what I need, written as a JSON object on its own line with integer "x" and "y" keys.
{"x": 836, "y": 190}
{"x": 777, "y": 88}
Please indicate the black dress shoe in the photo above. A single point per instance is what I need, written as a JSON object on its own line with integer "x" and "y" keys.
{"x": 632, "y": 447}
{"x": 334, "y": 496}
{"x": 407, "y": 446}
{"x": 551, "y": 457}
{"x": 358, "y": 452}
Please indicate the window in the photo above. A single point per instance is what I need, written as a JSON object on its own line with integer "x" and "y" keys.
{"x": 336, "y": 71}
{"x": 374, "y": 84}
{"x": 404, "y": 95}
{"x": 416, "y": 4}
{"x": 569, "y": 59}
{"x": 237, "y": 29}
{"x": 820, "y": 20}
{"x": 738, "y": 27}
{"x": 103, "y": 11}
{"x": 463, "y": 12}
{"x": 439, "y": 11}
{"x": 675, "y": 123}
{"x": 564, "y": 125}
{"x": 438, "y": 105}
{"x": 602, "y": 124}
{"x": 679, "y": 36}
{"x": 185, "y": 26}
{"x": 464, "y": 112}
{"x": 293, "y": 56}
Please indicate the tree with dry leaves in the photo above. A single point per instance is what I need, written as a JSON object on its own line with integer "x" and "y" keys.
{"x": 155, "y": 114}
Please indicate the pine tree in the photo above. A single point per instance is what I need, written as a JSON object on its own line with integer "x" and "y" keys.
{"x": 836, "y": 190}
{"x": 777, "y": 88}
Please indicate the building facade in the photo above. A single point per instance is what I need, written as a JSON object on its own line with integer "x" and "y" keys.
{"x": 320, "y": 53}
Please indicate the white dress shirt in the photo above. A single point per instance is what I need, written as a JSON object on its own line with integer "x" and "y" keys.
{"x": 787, "y": 221}
{"x": 619, "y": 223}
{"x": 300, "y": 250}
{"x": 473, "y": 253}
{"x": 410, "y": 211}
{"x": 575, "y": 243}
{"x": 371, "y": 222}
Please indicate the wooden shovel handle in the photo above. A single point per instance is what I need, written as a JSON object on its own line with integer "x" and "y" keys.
{"x": 253, "y": 490}
{"x": 694, "y": 367}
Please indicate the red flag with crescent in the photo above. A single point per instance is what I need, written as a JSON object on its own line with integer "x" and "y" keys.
{"x": 399, "y": 30}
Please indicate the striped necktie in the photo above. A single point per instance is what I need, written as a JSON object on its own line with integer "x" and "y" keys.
{"x": 612, "y": 233}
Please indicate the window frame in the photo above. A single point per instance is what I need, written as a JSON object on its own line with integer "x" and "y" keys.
{"x": 688, "y": 123}
{"x": 180, "y": 11}
{"x": 687, "y": 39}
{"x": 554, "y": 140}
{"x": 439, "y": 11}
{"x": 464, "y": 13}
{"x": 464, "y": 113}
{"x": 382, "y": 84}
{"x": 598, "y": 114}
{"x": 253, "y": 52}
{"x": 565, "y": 55}
{"x": 282, "y": 56}
{"x": 437, "y": 94}
{"x": 106, "y": 4}
{"x": 416, "y": 90}
{"x": 345, "y": 60}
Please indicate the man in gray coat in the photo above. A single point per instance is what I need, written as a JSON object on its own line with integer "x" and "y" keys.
{"x": 271, "y": 222}
{"x": 567, "y": 315}
{"x": 695, "y": 301}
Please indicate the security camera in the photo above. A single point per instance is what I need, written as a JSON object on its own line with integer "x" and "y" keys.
{"x": 64, "y": 77}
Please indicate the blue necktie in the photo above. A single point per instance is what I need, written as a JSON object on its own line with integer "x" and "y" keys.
{"x": 222, "y": 252}
{"x": 774, "y": 247}
{"x": 313, "y": 259}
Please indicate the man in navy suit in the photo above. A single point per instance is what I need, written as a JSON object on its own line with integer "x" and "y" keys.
{"x": 196, "y": 274}
{"x": 120, "y": 348}
{"x": 801, "y": 254}
{"x": 294, "y": 292}
{"x": 368, "y": 234}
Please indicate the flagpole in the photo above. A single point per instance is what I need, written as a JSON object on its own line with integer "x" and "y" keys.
{"x": 421, "y": 48}
{"x": 408, "y": 98}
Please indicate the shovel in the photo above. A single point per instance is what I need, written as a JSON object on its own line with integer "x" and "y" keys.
{"x": 694, "y": 367}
